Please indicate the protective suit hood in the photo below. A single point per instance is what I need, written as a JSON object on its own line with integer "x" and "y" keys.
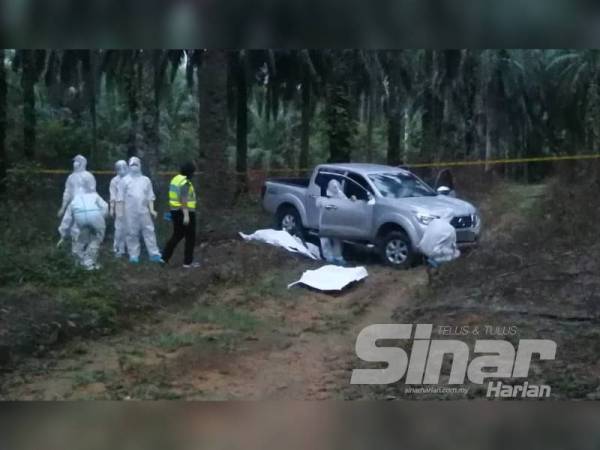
{"x": 135, "y": 166}
{"x": 334, "y": 190}
{"x": 121, "y": 168}
{"x": 79, "y": 163}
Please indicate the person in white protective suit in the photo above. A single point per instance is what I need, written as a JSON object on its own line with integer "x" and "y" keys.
{"x": 84, "y": 222}
{"x": 438, "y": 244}
{"x": 74, "y": 182}
{"x": 116, "y": 208}
{"x": 331, "y": 248}
{"x": 137, "y": 195}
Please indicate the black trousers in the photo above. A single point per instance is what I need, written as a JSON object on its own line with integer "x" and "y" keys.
{"x": 181, "y": 231}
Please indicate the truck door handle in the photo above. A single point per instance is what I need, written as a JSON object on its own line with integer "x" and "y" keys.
{"x": 330, "y": 207}
{"x": 313, "y": 196}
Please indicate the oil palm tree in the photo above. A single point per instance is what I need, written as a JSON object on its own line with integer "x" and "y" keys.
{"x": 576, "y": 75}
{"x": 212, "y": 92}
{"x": 30, "y": 64}
{"x": 3, "y": 106}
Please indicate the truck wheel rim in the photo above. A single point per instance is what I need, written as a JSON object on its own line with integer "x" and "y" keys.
{"x": 288, "y": 223}
{"x": 396, "y": 251}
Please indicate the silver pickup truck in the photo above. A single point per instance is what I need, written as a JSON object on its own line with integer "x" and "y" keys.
{"x": 388, "y": 208}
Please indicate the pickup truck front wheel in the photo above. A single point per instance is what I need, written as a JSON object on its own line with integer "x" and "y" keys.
{"x": 395, "y": 250}
{"x": 289, "y": 220}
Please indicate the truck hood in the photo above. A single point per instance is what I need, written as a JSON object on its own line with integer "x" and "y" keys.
{"x": 439, "y": 205}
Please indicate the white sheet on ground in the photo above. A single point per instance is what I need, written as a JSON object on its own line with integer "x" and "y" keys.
{"x": 331, "y": 278}
{"x": 281, "y": 238}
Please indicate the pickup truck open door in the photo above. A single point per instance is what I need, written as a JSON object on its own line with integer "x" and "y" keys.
{"x": 316, "y": 193}
{"x": 349, "y": 218}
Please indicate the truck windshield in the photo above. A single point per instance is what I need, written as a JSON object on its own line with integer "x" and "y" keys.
{"x": 400, "y": 185}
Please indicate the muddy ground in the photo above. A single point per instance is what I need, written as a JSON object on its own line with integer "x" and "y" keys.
{"x": 231, "y": 329}
{"x": 239, "y": 335}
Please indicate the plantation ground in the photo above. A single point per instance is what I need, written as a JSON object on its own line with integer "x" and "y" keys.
{"x": 231, "y": 330}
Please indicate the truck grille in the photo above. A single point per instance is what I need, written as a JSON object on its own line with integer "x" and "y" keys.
{"x": 460, "y": 222}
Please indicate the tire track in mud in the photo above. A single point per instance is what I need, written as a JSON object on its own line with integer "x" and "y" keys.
{"x": 311, "y": 358}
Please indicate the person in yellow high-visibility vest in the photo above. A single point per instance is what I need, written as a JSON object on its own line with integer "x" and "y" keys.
{"x": 182, "y": 202}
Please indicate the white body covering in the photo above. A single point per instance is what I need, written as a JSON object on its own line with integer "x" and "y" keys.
{"x": 331, "y": 278}
{"x": 136, "y": 193}
{"x": 439, "y": 241}
{"x": 281, "y": 238}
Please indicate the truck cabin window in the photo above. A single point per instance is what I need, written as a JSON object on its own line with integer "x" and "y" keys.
{"x": 356, "y": 186}
{"x": 324, "y": 177}
{"x": 401, "y": 185}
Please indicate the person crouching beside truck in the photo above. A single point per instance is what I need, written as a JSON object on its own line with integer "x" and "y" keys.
{"x": 438, "y": 245}
{"x": 182, "y": 202}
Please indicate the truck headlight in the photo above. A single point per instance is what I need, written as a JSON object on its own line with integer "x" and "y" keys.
{"x": 425, "y": 219}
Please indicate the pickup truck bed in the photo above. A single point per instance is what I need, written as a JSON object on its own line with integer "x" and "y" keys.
{"x": 302, "y": 182}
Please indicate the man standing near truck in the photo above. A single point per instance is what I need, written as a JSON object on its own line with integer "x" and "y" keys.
{"x": 331, "y": 247}
{"x": 182, "y": 201}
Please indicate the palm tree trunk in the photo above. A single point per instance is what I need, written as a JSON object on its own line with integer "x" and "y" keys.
{"x": 241, "y": 160}
{"x": 339, "y": 118}
{"x": 150, "y": 96}
{"x": 370, "y": 120}
{"x": 393, "y": 150}
{"x": 131, "y": 86}
{"x": 29, "y": 118}
{"x": 91, "y": 93}
{"x": 3, "y": 104}
{"x": 305, "y": 125}
{"x": 491, "y": 142}
{"x": 339, "y": 109}
{"x": 213, "y": 125}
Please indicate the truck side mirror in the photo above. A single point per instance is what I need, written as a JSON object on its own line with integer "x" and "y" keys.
{"x": 443, "y": 190}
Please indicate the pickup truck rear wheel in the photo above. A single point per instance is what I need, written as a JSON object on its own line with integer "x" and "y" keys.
{"x": 396, "y": 250}
{"x": 288, "y": 219}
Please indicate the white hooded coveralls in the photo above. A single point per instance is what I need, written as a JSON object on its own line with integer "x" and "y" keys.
{"x": 84, "y": 222}
{"x": 439, "y": 241}
{"x": 119, "y": 214}
{"x": 75, "y": 180}
{"x": 136, "y": 193}
{"x": 331, "y": 247}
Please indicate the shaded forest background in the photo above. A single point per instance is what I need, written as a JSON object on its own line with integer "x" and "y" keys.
{"x": 234, "y": 112}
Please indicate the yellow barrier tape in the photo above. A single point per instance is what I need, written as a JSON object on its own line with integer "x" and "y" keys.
{"x": 429, "y": 164}
{"x": 505, "y": 161}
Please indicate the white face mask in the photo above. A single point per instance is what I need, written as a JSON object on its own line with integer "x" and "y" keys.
{"x": 121, "y": 170}
{"x": 135, "y": 169}
{"x": 79, "y": 163}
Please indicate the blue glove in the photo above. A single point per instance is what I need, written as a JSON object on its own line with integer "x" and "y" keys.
{"x": 167, "y": 216}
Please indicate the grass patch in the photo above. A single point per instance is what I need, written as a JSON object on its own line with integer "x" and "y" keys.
{"x": 226, "y": 342}
{"x": 519, "y": 198}
{"x": 272, "y": 284}
{"x": 173, "y": 341}
{"x": 85, "y": 377}
{"x": 225, "y": 317}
